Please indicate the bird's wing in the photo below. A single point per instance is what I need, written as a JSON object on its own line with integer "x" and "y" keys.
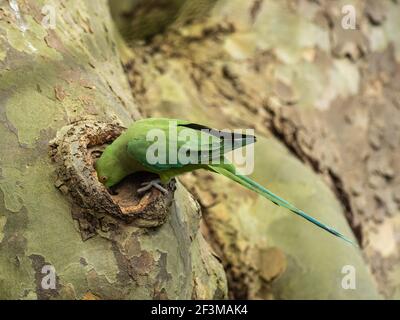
{"x": 193, "y": 143}
{"x": 157, "y": 154}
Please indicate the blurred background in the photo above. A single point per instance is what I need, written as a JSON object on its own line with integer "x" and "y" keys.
{"x": 320, "y": 80}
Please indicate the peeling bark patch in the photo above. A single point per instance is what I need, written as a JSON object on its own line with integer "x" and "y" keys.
{"x": 12, "y": 191}
{"x": 74, "y": 151}
{"x": 160, "y": 294}
{"x": 133, "y": 262}
{"x": 272, "y": 263}
{"x": 83, "y": 262}
{"x": 28, "y": 107}
{"x": 88, "y": 223}
{"x": 38, "y": 262}
{"x": 255, "y": 9}
{"x": 123, "y": 275}
{"x": 54, "y": 42}
{"x": 90, "y": 296}
{"x": 132, "y": 246}
{"x": 17, "y": 242}
{"x": 100, "y": 287}
{"x": 12, "y": 227}
{"x": 143, "y": 264}
{"x": 59, "y": 93}
{"x": 163, "y": 275}
{"x": 3, "y": 114}
{"x": 3, "y": 221}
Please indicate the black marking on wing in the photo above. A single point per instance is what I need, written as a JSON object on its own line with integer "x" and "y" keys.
{"x": 224, "y": 135}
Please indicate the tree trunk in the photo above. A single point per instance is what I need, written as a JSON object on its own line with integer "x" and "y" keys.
{"x": 50, "y": 78}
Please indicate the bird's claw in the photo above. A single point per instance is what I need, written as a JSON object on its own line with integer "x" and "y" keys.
{"x": 153, "y": 183}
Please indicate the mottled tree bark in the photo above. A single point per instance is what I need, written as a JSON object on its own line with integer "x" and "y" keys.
{"x": 49, "y": 79}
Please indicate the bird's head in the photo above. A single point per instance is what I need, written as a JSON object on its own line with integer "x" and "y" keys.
{"x": 108, "y": 170}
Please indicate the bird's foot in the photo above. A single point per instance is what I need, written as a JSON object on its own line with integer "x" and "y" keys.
{"x": 153, "y": 183}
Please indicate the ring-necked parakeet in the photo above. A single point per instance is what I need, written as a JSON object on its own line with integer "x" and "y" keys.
{"x": 198, "y": 145}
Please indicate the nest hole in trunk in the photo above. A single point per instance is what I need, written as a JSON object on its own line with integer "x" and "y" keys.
{"x": 75, "y": 151}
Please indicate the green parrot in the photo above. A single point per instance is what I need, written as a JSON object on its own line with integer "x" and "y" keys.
{"x": 170, "y": 147}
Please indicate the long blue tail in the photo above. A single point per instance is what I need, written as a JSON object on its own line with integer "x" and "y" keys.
{"x": 229, "y": 172}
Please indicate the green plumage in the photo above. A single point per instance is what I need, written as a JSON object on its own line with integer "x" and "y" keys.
{"x": 129, "y": 153}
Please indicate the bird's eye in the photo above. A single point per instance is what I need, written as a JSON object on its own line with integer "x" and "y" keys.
{"x": 103, "y": 178}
